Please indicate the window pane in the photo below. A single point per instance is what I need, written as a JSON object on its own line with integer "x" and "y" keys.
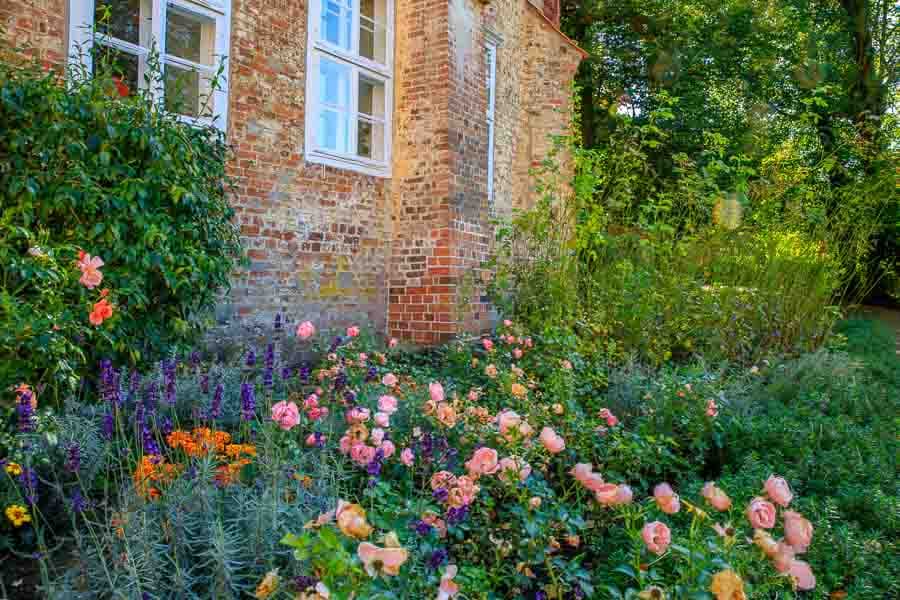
{"x": 370, "y": 139}
{"x": 119, "y": 19}
{"x": 373, "y": 30}
{"x": 335, "y": 84}
{"x": 371, "y": 98}
{"x": 334, "y": 131}
{"x": 337, "y": 21}
{"x": 190, "y": 36}
{"x": 187, "y": 92}
{"x": 121, "y": 66}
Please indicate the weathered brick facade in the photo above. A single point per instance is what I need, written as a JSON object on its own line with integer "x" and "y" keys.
{"x": 403, "y": 254}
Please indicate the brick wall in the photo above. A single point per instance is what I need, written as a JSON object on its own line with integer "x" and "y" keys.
{"x": 318, "y": 238}
{"x": 39, "y": 26}
{"x": 404, "y": 254}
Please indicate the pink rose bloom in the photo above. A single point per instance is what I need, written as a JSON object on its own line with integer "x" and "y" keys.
{"x": 624, "y": 495}
{"x": 389, "y": 380}
{"x": 507, "y": 323}
{"x": 91, "y": 276}
{"x": 448, "y": 589}
{"x": 473, "y": 395}
{"x": 715, "y": 496}
{"x": 483, "y": 462}
{"x": 606, "y": 493}
{"x": 534, "y": 503}
{"x": 711, "y": 409}
{"x": 437, "y": 391}
{"x": 553, "y": 442}
{"x": 312, "y": 401}
{"x": 778, "y": 490}
{"x": 508, "y": 420}
{"x": 782, "y": 556}
{"x": 352, "y": 331}
{"x": 407, "y": 457}
{"x": 802, "y": 574}
{"x": 387, "y": 404}
{"x": 312, "y": 441}
{"x": 306, "y": 330}
{"x": 525, "y": 429}
{"x": 666, "y": 499}
{"x": 798, "y": 531}
{"x": 488, "y": 344}
{"x": 358, "y": 415}
{"x": 362, "y": 454}
{"x": 317, "y": 413}
{"x": 363, "y": 357}
{"x": 393, "y": 343}
{"x": 388, "y": 448}
{"x": 382, "y": 419}
{"x": 345, "y": 444}
{"x": 611, "y": 419}
{"x": 517, "y": 353}
{"x": 528, "y": 342}
{"x": 377, "y": 435}
{"x": 464, "y": 492}
{"x": 761, "y": 514}
{"x": 657, "y": 537}
{"x": 567, "y": 365}
{"x": 286, "y": 414}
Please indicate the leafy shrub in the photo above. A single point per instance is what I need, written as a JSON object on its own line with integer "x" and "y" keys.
{"x": 82, "y": 168}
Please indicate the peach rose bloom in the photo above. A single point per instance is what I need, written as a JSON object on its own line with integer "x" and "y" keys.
{"x": 351, "y": 520}
{"x": 382, "y": 419}
{"x": 437, "y": 391}
{"x": 508, "y": 420}
{"x": 534, "y": 502}
{"x": 761, "y": 514}
{"x": 483, "y": 462}
{"x": 490, "y": 371}
{"x": 715, "y": 496}
{"x": 765, "y": 542}
{"x": 390, "y": 380}
{"x": 778, "y": 490}
{"x": 407, "y": 457}
{"x": 518, "y": 390}
{"x": 657, "y": 537}
{"x": 802, "y": 574}
{"x": 91, "y": 276}
{"x": 448, "y": 589}
{"x": 606, "y": 494}
{"x": 666, "y": 499}
{"x": 798, "y": 531}
{"x": 306, "y": 330}
{"x": 352, "y": 331}
{"x": 464, "y": 492}
{"x": 552, "y": 441}
{"x": 443, "y": 479}
{"x": 102, "y": 310}
{"x": 387, "y": 560}
{"x": 783, "y": 557}
{"x": 581, "y": 471}
{"x": 525, "y": 430}
{"x": 446, "y": 414}
{"x": 624, "y": 495}
{"x": 387, "y": 404}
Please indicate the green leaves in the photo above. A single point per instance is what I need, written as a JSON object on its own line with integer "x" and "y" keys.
{"x": 120, "y": 179}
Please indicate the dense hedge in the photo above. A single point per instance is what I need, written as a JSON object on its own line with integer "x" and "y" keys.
{"x": 83, "y": 168}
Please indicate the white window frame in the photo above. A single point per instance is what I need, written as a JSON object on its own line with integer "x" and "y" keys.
{"x": 82, "y": 35}
{"x": 491, "y": 50}
{"x": 359, "y": 66}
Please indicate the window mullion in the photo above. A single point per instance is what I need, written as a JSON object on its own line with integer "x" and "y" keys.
{"x": 354, "y": 27}
{"x": 354, "y": 110}
{"x": 158, "y": 41}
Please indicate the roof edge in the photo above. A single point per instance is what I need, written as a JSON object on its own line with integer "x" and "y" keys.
{"x": 584, "y": 54}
